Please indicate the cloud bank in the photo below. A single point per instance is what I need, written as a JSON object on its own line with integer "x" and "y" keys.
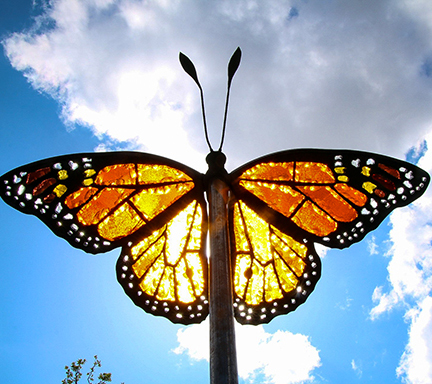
{"x": 313, "y": 74}
{"x": 410, "y": 280}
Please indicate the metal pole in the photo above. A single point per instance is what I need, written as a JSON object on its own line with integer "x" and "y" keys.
{"x": 223, "y": 358}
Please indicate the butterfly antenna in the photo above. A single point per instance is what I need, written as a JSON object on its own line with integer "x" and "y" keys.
{"x": 189, "y": 68}
{"x": 232, "y": 68}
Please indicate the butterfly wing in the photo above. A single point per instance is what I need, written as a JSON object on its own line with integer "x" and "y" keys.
{"x": 333, "y": 197}
{"x": 273, "y": 272}
{"x": 101, "y": 201}
{"x": 165, "y": 273}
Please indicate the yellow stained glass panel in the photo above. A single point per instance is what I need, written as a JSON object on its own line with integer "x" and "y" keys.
{"x": 185, "y": 289}
{"x": 146, "y": 254}
{"x": 196, "y": 273}
{"x": 165, "y": 290}
{"x": 273, "y": 265}
{"x": 152, "y": 278}
{"x": 271, "y": 284}
{"x": 287, "y": 279}
{"x": 145, "y": 244}
{"x": 368, "y": 186}
{"x": 241, "y": 242}
{"x": 258, "y": 233}
{"x": 289, "y": 243}
{"x": 255, "y": 288}
{"x": 291, "y": 252}
{"x": 156, "y": 174}
{"x": 60, "y": 190}
{"x": 62, "y": 174}
{"x": 241, "y": 278}
{"x": 152, "y": 201}
{"x": 168, "y": 261}
{"x": 122, "y": 222}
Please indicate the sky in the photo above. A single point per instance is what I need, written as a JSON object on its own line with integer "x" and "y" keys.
{"x": 102, "y": 75}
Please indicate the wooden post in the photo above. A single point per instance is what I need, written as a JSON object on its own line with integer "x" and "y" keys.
{"x": 223, "y": 358}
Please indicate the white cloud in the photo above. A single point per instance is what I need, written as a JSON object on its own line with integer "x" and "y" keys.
{"x": 282, "y": 357}
{"x": 355, "y": 367}
{"x": 416, "y": 362}
{"x": 372, "y": 245}
{"x": 410, "y": 267}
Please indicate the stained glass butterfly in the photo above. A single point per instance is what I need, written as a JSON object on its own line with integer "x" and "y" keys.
{"x": 155, "y": 210}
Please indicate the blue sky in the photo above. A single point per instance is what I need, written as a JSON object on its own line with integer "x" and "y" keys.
{"x": 79, "y": 76}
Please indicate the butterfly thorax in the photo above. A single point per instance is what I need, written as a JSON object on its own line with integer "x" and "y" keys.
{"x": 216, "y": 161}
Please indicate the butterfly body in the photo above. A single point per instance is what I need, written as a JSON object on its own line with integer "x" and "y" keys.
{"x": 155, "y": 209}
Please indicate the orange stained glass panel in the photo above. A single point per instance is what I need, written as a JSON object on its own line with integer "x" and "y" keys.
{"x": 352, "y": 194}
{"x": 44, "y": 184}
{"x": 122, "y": 222}
{"x": 314, "y": 220}
{"x": 168, "y": 261}
{"x": 330, "y": 201}
{"x": 118, "y": 174}
{"x": 391, "y": 171}
{"x": 310, "y": 172}
{"x": 388, "y": 184}
{"x": 270, "y": 171}
{"x": 131, "y": 174}
{"x": 152, "y": 201}
{"x": 101, "y": 205}
{"x": 281, "y": 198}
{"x": 79, "y": 197}
{"x": 32, "y": 176}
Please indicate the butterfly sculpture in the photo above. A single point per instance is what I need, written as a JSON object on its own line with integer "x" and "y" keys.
{"x": 155, "y": 210}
